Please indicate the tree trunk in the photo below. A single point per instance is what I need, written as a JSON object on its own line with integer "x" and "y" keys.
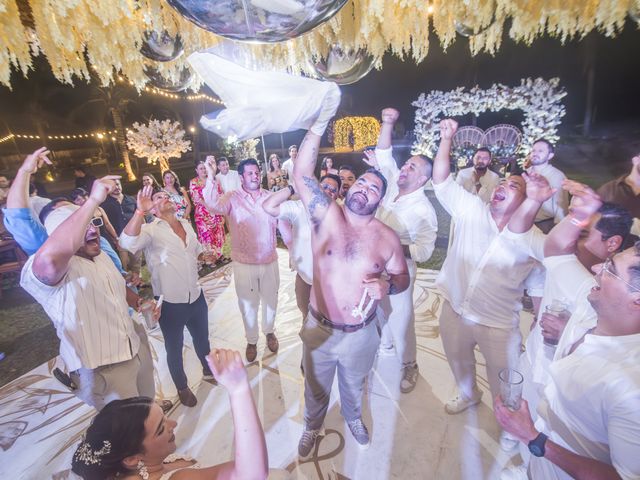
{"x": 122, "y": 143}
{"x": 164, "y": 165}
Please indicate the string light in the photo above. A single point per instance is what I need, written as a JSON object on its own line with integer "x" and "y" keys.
{"x": 162, "y": 93}
{"x": 355, "y": 133}
{"x": 77, "y": 136}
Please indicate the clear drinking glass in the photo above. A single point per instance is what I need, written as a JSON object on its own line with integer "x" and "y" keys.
{"x": 147, "y": 309}
{"x": 559, "y": 309}
{"x": 511, "y": 387}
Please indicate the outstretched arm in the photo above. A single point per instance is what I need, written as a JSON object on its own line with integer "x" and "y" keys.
{"x": 441, "y": 163}
{"x": 19, "y": 192}
{"x": 215, "y": 202}
{"x": 389, "y": 119}
{"x": 272, "y": 204}
{"x": 52, "y": 260}
{"x": 563, "y": 238}
{"x": 538, "y": 191}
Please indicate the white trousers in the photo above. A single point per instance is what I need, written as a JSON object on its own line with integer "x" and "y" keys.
{"x": 499, "y": 346}
{"x": 397, "y": 318}
{"x": 255, "y": 284}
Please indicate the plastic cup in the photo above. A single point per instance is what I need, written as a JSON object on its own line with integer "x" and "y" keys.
{"x": 511, "y": 387}
{"x": 147, "y": 309}
{"x": 558, "y": 309}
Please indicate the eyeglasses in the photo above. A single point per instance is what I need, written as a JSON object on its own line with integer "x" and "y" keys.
{"x": 328, "y": 188}
{"x": 607, "y": 266}
{"x": 96, "y": 222}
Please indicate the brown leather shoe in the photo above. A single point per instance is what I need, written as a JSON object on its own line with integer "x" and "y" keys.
{"x": 187, "y": 398}
{"x": 272, "y": 342}
{"x": 165, "y": 405}
{"x": 252, "y": 352}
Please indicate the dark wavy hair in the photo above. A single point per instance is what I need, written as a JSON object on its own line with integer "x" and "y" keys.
{"x": 154, "y": 182}
{"x": 121, "y": 424}
{"x": 177, "y": 185}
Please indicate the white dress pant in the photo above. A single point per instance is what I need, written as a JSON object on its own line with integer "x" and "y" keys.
{"x": 499, "y": 346}
{"x": 397, "y": 318}
{"x": 255, "y": 283}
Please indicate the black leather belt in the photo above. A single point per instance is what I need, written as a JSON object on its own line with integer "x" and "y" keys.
{"x": 344, "y": 327}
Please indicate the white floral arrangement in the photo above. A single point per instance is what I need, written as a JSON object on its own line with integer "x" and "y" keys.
{"x": 539, "y": 99}
{"x": 158, "y": 141}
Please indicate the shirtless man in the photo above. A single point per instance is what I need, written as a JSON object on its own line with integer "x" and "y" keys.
{"x": 339, "y": 331}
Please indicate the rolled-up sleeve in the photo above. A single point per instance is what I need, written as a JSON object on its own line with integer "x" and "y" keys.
{"x": 27, "y": 230}
{"x": 136, "y": 243}
{"x": 425, "y": 235}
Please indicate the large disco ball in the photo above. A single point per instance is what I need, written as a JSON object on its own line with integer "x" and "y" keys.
{"x": 344, "y": 66}
{"x": 157, "y": 80}
{"x": 467, "y": 31}
{"x": 265, "y": 21}
{"x": 161, "y": 47}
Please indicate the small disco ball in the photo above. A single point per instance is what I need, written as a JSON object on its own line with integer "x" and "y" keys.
{"x": 157, "y": 80}
{"x": 467, "y": 31}
{"x": 344, "y": 66}
{"x": 161, "y": 47}
{"x": 260, "y": 21}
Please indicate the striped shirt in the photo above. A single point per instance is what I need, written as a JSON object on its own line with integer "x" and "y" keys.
{"x": 89, "y": 309}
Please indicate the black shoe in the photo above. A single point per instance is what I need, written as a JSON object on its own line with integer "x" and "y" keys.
{"x": 64, "y": 379}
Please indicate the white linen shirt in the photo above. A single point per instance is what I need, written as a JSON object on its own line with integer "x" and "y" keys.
{"x": 570, "y": 282}
{"x": 301, "y": 255}
{"x": 555, "y": 207}
{"x": 484, "y": 272}
{"x": 411, "y": 216}
{"x": 89, "y": 310}
{"x": 488, "y": 182}
{"x": 590, "y": 406}
{"x": 230, "y": 181}
{"x": 172, "y": 264}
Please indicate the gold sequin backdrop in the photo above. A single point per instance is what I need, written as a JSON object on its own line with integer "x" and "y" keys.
{"x": 105, "y": 35}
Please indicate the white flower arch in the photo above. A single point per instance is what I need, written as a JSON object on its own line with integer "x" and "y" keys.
{"x": 539, "y": 99}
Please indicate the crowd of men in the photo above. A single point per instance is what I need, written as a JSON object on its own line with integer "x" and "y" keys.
{"x": 579, "y": 416}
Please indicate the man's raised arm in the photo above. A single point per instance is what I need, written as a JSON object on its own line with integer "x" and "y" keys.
{"x": 441, "y": 163}
{"x": 538, "y": 191}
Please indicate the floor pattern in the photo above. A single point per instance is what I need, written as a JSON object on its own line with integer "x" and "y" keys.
{"x": 41, "y": 422}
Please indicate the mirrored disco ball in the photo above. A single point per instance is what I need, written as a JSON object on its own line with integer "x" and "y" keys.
{"x": 162, "y": 83}
{"x": 467, "y": 31}
{"x": 344, "y": 67}
{"x": 263, "y": 21}
{"x": 161, "y": 47}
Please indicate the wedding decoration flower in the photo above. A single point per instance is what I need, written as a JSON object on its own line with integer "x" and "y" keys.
{"x": 539, "y": 99}
{"x": 158, "y": 142}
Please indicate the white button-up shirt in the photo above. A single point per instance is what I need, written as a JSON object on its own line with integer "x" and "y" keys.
{"x": 570, "y": 282}
{"x": 230, "y": 181}
{"x": 172, "y": 264}
{"x": 484, "y": 272}
{"x": 301, "y": 255}
{"x": 411, "y": 216}
{"x": 590, "y": 406}
{"x": 488, "y": 182}
{"x": 89, "y": 310}
{"x": 555, "y": 207}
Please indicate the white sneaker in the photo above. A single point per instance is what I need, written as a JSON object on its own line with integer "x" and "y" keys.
{"x": 384, "y": 351}
{"x": 308, "y": 441}
{"x": 514, "y": 472}
{"x": 507, "y": 442}
{"x": 460, "y": 403}
{"x": 409, "y": 378}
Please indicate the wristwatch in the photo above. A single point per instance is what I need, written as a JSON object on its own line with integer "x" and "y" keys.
{"x": 536, "y": 446}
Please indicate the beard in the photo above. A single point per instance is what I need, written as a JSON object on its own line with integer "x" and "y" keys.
{"x": 358, "y": 204}
{"x": 481, "y": 168}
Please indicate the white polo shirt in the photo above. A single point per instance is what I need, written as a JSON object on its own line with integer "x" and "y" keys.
{"x": 89, "y": 309}
{"x": 484, "y": 272}
{"x": 301, "y": 255}
{"x": 172, "y": 264}
{"x": 555, "y": 207}
{"x": 591, "y": 406}
{"x": 411, "y": 216}
{"x": 230, "y": 181}
{"x": 488, "y": 182}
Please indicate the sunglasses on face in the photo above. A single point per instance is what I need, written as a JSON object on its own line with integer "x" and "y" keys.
{"x": 328, "y": 188}
{"x": 96, "y": 222}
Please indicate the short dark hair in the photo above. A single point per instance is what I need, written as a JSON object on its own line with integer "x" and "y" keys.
{"x": 428, "y": 164}
{"x": 78, "y": 192}
{"x": 614, "y": 220}
{"x": 483, "y": 149}
{"x": 547, "y": 143}
{"x": 245, "y": 162}
{"x": 121, "y": 424}
{"x": 292, "y": 146}
{"x": 347, "y": 167}
{"x": 50, "y": 207}
{"x": 333, "y": 177}
{"x": 79, "y": 168}
{"x": 220, "y": 160}
{"x": 381, "y": 177}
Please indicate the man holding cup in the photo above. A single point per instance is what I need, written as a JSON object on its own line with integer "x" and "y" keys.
{"x": 172, "y": 249}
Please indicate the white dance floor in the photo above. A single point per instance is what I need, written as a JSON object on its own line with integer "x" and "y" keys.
{"x": 412, "y": 437}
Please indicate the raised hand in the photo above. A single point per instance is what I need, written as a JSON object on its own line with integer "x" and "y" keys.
{"x": 584, "y": 202}
{"x": 227, "y": 367}
{"x": 34, "y": 161}
{"x": 371, "y": 159}
{"x": 211, "y": 166}
{"x": 144, "y": 202}
{"x": 103, "y": 187}
{"x": 448, "y": 128}
{"x": 538, "y": 187}
{"x": 390, "y": 115}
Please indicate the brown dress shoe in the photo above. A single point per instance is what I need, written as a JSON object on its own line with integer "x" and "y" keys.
{"x": 252, "y": 352}
{"x": 187, "y": 398}
{"x": 165, "y": 405}
{"x": 272, "y": 342}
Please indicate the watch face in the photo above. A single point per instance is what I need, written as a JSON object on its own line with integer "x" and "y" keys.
{"x": 536, "y": 450}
